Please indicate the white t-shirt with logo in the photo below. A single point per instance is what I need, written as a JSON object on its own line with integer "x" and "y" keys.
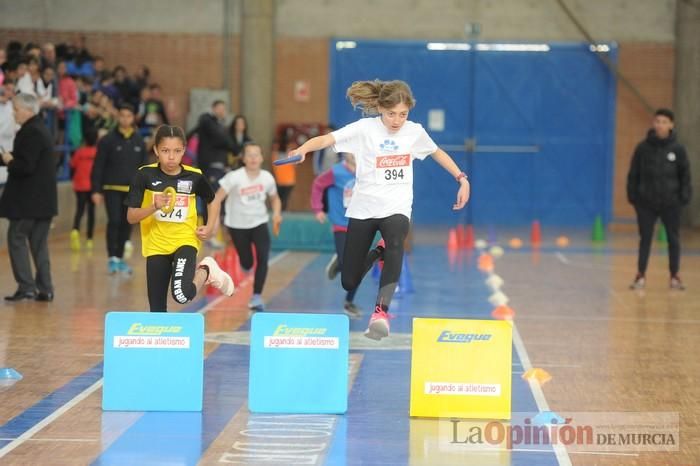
{"x": 245, "y": 203}
{"x": 384, "y": 184}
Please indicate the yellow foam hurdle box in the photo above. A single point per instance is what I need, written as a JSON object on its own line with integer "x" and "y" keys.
{"x": 461, "y": 368}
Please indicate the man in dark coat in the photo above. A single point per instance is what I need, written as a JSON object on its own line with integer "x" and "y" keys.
{"x": 29, "y": 201}
{"x": 215, "y": 143}
{"x": 658, "y": 186}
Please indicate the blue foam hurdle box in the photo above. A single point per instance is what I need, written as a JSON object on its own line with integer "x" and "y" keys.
{"x": 299, "y": 363}
{"x": 153, "y": 361}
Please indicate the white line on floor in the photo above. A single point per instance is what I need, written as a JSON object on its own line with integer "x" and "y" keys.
{"x": 538, "y": 395}
{"x": 562, "y": 258}
{"x": 49, "y": 419}
{"x": 92, "y": 388}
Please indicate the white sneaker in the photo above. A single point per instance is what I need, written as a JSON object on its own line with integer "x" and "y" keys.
{"x": 217, "y": 277}
{"x": 639, "y": 283}
{"x": 128, "y": 249}
{"x": 256, "y": 303}
{"x": 214, "y": 243}
{"x": 676, "y": 283}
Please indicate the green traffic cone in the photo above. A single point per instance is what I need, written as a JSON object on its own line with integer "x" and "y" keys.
{"x": 661, "y": 234}
{"x": 598, "y": 230}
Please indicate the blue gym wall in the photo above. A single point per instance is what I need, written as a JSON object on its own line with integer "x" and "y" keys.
{"x": 541, "y": 124}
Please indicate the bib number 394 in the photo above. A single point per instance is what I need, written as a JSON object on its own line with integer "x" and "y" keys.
{"x": 394, "y": 169}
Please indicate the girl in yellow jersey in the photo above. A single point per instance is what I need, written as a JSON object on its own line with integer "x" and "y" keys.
{"x": 162, "y": 197}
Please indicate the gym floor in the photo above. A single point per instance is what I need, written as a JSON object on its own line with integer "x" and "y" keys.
{"x": 608, "y": 350}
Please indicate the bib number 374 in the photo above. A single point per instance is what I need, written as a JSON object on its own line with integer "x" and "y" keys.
{"x": 179, "y": 212}
{"x": 394, "y": 169}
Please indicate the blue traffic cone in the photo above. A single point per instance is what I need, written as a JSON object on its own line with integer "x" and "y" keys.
{"x": 492, "y": 237}
{"x": 376, "y": 272}
{"x": 405, "y": 285}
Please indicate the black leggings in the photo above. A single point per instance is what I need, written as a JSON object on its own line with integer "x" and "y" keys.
{"x": 340, "y": 238}
{"x": 84, "y": 200}
{"x": 181, "y": 266}
{"x": 243, "y": 239}
{"x": 671, "y": 219}
{"x": 357, "y": 261}
{"x": 118, "y": 229}
{"x": 284, "y": 192}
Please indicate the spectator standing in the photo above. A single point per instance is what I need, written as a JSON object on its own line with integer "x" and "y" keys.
{"x": 658, "y": 186}
{"x": 29, "y": 201}
{"x": 119, "y": 155}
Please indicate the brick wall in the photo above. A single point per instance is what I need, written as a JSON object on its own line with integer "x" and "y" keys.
{"x": 178, "y": 62}
{"x": 301, "y": 60}
{"x": 649, "y": 67}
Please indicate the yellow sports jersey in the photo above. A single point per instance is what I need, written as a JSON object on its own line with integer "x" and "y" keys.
{"x": 162, "y": 233}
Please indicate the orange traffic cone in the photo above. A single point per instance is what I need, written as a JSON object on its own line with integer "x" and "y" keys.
{"x": 540, "y": 375}
{"x": 452, "y": 242}
{"x": 485, "y": 263}
{"x": 230, "y": 260}
{"x": 503, "y": 313}
{"x": 536, "y": 233}
{"x": 461, "y": 232}
{"x": 468, "y": 238}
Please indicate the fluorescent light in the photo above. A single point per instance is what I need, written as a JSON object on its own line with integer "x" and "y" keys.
{"x": 599, "y": 48}
{"x": 448, "y": 46}
{"x": 345, "y": 44}
{"x": 513, "y": 47}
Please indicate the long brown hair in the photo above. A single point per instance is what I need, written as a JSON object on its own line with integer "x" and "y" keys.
{"x": 371, "y": 95}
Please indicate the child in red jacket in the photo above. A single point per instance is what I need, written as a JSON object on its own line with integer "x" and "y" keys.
{"x": 81, "y": 167}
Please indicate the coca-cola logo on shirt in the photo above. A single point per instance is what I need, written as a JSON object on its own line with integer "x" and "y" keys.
{"x": 247, "y": 191}
{"x": 393, "y": 161}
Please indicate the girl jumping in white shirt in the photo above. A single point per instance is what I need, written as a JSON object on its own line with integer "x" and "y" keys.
{"x": 384, "y": 147}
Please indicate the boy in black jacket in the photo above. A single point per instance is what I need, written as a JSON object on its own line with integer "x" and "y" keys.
{"x": 119, "y": 155}
{"x": 658, "y": 185}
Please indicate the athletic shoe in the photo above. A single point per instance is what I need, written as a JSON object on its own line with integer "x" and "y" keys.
{"x": 351, "y": 310}
{"x": 378, "y": 325}
{"x": 20, "y": 296}
{"x": 75, "y": 240}
{"x": 332, "y": 267}
{"x": 128, "y": 249}
{"x": 676, "y": 283}
{"x": 215, "y": 243}
{"x": 217, "y": 277}
{"x": 638, "y": 283}
{"x": 124, "y": 268}
{"x": 113, "y": 265}
{"x": 256, "y": 303}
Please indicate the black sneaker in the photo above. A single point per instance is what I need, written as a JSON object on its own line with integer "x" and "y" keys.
{"x": 44, "y": 297}
{"x": 351, "y": 310}
{"x": 638, "y": 283}
{"x": 21, "y": 295}
{"x": 676, "y": 283}
{"x": 332, "y": 269}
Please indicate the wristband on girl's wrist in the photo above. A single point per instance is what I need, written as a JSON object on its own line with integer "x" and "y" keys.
{"x": 460, "y": 176}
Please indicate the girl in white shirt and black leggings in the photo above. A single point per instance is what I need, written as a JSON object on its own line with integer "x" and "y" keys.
{"x": 384, "y": 148}
{"x": 246, "y": 191}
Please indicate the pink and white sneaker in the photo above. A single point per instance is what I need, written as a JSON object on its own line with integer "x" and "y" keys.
{"x": 378, "y": 325}
{"x": 217, "y": 277}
